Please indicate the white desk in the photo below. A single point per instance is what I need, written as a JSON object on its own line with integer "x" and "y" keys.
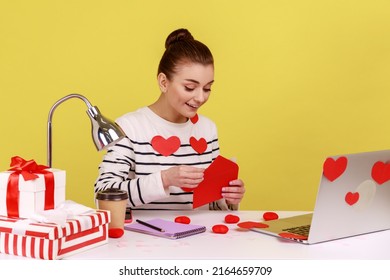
{"x": 210, "y": 251}
{"x": 236, "y": 244}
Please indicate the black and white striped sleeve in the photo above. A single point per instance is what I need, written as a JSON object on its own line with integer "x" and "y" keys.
{"x": 117, "y": 170}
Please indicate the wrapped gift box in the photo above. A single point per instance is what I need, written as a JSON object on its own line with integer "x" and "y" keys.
{"x": 31, "y": 193}
{"x": 50, "y": 241}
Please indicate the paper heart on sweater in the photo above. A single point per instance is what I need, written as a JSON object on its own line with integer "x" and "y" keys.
{"x": 195, "y": 119}
{"x": 218, "y": 175}
{"x": 166, "y": 147}
{"x": 199, "y": 146}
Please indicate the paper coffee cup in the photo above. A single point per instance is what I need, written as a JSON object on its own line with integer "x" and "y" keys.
{"x": 115, "y": 201}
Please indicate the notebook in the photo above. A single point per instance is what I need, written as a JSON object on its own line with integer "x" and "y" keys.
{"x": 353, "y": 198}
{"x": 172, "y": 230}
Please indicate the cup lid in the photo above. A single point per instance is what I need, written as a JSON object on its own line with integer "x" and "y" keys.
{"x": 112, "y": 194}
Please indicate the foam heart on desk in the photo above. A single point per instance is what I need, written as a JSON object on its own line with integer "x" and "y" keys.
{"x": 182, "y": 220}
{"x": 250, "y": 224}
{"x": 231, "y": 219}
{"x": 220, "y": 229}
{"x": 115, "y": 232}
{"x": 268, "y": 216}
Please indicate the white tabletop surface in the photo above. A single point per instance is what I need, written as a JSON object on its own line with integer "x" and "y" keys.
{"x": 236, "y": 244}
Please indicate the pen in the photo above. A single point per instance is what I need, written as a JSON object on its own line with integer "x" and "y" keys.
{"x": 149, "y": 225}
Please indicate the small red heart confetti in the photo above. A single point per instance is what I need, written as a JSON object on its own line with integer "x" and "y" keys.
{"x": 268, "y": 216}
{"x": 292, "y": 236}
{"x": 231, "y": 219}
{"x": 115, "y": 232}
{"x": 182, "y": 220}
{"x": 252, "y": 225}
{"x": 221, "y": 229}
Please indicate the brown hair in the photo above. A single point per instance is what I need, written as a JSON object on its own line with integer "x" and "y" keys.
{"x": 181, "y": 47}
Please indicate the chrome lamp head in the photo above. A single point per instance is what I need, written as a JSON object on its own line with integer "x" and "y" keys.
{"x": 104, "y": 131}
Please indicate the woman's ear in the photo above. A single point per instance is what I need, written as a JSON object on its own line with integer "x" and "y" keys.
{"x": 162, "y": 82}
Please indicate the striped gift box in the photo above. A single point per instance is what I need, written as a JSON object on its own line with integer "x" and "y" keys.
{"x": 50, "y": 241}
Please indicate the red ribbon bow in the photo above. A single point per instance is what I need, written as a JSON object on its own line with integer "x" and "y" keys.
{"x": 29, "y": 170}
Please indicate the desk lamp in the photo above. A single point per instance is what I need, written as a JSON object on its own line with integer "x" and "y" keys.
{"x": 104, "y": 132}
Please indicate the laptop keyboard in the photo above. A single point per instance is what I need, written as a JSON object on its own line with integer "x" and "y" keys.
{"x": 301, "y": 230}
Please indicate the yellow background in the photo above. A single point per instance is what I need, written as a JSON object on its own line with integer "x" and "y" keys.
{"x": 295, "y": 81}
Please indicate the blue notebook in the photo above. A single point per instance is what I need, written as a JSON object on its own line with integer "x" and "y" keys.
{"x": 172, "y": 230}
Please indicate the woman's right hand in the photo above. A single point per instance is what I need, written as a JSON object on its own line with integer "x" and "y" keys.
{"x": 183, "y": 176}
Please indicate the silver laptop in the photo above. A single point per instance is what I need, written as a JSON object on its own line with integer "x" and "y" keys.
{"x": 353, "y": 198}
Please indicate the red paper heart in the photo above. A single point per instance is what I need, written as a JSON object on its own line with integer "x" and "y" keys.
{"x": 252, "y": 225}
{"x": 115, "y": 232}
{"x": 188, "y": 189}
{"x": 352, "y": 198}
{"x": 166, "y": 147}
{"x": 231, "y": 219}
{"x": 292, "y": 236}
{"x": 182, "y": 220}
{"x": 218, "y": 175}
{"x": 195, "y": 119}
{"x": 221, "y": 229}
{"x": 334, "y": 168}
{"x": 380, "y": 172}
{"x": 268, "y": 216}
{"x": 199, "y": 146}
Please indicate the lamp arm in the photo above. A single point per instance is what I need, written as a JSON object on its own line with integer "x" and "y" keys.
{"x": 50, "y": 117}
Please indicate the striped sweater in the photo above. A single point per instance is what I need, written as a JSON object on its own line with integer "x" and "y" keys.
{"x": 153, "y": 144}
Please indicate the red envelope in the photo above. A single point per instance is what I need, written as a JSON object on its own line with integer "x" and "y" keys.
{"x": 218, "y": 175}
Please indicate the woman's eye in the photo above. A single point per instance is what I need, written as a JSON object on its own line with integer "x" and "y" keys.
{"x": 207, "y": 89}
{"x": 189, "y": 88}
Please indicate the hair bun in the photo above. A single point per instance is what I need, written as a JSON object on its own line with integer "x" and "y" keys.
{"x": 178, "y": 35}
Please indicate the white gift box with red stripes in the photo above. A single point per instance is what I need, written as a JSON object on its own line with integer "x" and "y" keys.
{"x": 49, "y": 241}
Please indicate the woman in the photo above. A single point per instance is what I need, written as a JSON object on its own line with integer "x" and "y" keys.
{"x": 168, "y": 145}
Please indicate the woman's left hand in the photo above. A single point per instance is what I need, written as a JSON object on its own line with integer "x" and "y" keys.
{"x": 234, "y": 192}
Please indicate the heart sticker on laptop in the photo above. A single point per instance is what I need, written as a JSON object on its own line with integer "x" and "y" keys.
{"x": 351, "y": 198}
{"x": 363, "y": 195}
{"x": 333, "y": 169}
{"x": 380, "y": 172}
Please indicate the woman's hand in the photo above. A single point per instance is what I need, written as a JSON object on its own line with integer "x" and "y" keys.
{"x": 183, "y": 176}
{"x": 234, "y": 192}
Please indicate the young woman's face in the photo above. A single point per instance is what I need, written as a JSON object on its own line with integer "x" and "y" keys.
{"x": 188, "y": 90}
